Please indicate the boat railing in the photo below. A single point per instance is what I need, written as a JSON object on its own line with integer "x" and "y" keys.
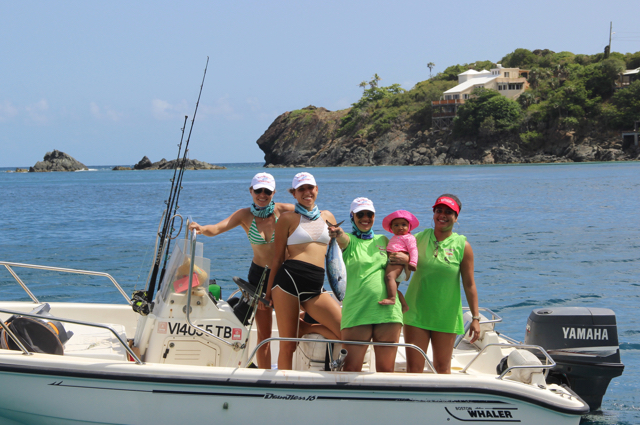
{"x": 9, "y": 266}
{"x": 339, "y": 341}
{"x": 63, "y": 320}
{"x": 549, "y": 365}
{"x": 494, "y": 319}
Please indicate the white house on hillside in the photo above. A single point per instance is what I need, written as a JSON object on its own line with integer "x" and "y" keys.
{"x": 510, "y": 82}
{"x": 628, "y": 77}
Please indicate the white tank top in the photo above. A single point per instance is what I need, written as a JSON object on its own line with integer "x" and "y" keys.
{"x": 310, "y": 231}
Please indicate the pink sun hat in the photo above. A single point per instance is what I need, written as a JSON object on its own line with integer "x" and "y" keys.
{"x": 413, "y": 221}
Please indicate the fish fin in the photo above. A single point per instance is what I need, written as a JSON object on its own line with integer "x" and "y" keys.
{"x": 333, "y": 225}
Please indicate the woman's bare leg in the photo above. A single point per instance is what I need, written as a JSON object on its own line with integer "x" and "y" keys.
{"x": 442, "y": 345}
{"x": 308, "y": 328}
{"x": 355, "y": 356}
{"x": 287, "y": 315}
{"x": 386, "y": 356}
{"x": 325, "y": 310}
{"x": 264, "y": 322}
{"x": 421, "y": 338}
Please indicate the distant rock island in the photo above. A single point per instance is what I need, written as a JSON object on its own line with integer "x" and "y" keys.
{"x": 60, "y": 161}
{"x": 57, "y": 161}
{"x": 191, "y": 164}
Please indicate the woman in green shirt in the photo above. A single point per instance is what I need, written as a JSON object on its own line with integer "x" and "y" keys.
{"x": 435, "y": 309}
{"x": 363, "y": 318}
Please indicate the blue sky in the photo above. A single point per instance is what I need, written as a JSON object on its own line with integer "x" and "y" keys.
{"x": 110, "y": 82}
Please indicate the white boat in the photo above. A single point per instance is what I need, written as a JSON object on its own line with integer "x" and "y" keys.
{"x": 195, "y": 364}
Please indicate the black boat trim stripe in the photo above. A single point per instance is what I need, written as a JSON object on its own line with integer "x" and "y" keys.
{"x": 267, "y": 384}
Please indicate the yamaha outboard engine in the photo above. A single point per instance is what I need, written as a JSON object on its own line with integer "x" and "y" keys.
{"x": 584, "y": 344}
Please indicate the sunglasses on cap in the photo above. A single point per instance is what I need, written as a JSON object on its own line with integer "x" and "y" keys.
{"x": 262, "y": 189}
{"x": 361, "y": 214}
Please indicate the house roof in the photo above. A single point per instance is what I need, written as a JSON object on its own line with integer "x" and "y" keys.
{"x": 632, "y": 71}
{"x": 478, "y": 81}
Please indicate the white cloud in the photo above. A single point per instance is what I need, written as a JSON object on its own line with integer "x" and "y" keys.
{"x": 104, "y": 112}
{"x": 37, "y": 112}
{"x": 163, "y": 110}
{"x": 7, "y": 110}
{"x": 95, "y": 109}
{"x": 222, "y": 108}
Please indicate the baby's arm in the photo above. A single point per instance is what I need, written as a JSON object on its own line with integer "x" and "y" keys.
{"x": 412, "y": 249}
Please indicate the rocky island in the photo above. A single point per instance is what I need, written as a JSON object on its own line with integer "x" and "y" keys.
{"x": 191, "y": 164}
{"x": 572, "y": 108}
{"x": 57, "y": 161}
{"x": 60, "y": 161}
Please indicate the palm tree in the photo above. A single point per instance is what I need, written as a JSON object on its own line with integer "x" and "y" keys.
{"x": 363, "y": 85}
{"x": 374, "y": 81}
{"x": 430, "y": 65}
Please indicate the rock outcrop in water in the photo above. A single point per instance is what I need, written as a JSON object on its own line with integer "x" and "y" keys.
{"x": 307, "y": 137}
{"x": 57, "y": 161}
{"x": 192, "y": 164}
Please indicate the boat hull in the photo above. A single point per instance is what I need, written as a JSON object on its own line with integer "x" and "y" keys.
{"x": 112, "y": 393}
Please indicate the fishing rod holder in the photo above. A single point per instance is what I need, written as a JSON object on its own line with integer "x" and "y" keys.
{"x": 338, "y": 364}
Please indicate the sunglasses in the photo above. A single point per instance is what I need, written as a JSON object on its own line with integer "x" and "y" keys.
{"x": 262, "y": 189}
{"x": 361, "y": 214}
{"x": 443, "y": 211}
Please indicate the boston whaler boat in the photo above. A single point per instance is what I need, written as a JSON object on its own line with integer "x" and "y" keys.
{"x": 182, "y": 354}
{"x": 192, "y": 361}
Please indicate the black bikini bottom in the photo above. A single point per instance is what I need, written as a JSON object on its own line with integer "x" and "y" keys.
{"x": 255, "y": 273}
{"x": 300, "y": 279}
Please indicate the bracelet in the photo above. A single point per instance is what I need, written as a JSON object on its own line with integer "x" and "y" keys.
{"x": 478, "y": 318}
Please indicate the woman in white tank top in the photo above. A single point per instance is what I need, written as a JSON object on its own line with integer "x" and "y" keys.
{"x": 301, "y": 237}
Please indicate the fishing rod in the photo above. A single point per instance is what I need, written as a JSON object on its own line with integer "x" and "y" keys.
{"x": 182, "y": 169}
{"x": 142, "y": 300}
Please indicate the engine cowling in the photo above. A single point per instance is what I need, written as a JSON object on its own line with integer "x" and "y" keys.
{"x": 583, "y": 342}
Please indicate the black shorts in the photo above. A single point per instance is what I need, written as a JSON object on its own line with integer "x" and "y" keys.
{"x": 255, "y": 274}
{"x": 300, "y": 279}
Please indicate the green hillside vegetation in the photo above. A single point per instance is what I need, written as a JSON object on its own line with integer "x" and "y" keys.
{"x": 571, "y": 92}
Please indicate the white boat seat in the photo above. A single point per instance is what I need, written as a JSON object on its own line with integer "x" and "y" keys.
{"x": 96, "y": 343}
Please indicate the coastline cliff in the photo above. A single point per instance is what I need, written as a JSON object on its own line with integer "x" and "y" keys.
{"x": 306, "y": 138}
{"x": 572, "y": 110}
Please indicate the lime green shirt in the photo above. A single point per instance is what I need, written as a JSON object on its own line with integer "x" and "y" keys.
{"x": 366, "y": 261}
{"x": 434, "y": 291}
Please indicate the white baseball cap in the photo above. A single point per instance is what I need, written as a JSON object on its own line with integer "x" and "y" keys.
{"x": 265, "y": 180}
{"x": 303, "y": 178}
{"x": 360, "y": 204}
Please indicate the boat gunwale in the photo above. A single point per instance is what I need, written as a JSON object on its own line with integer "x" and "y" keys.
{"x": 143, "y": 378}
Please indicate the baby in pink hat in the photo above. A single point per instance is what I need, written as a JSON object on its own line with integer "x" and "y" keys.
{"x": 400, "y": 223}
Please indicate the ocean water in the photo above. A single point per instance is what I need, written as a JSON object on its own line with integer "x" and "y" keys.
{"x": 542, "y": 235}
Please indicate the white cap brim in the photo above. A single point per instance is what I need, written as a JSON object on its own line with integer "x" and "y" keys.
{"x": 264, "y": 185}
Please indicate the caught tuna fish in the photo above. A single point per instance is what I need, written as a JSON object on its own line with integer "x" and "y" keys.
{"x": 336, "y": 270}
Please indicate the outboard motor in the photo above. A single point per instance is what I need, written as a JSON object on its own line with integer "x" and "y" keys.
{"x": 584, "y": 344}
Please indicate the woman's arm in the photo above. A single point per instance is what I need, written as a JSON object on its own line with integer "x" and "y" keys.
{"x": 469, "y": 284}
{"x": 398, "y": 258}
{"x": 279, "y": 250}
{"x": 231, "y": 222}
{"x": 341, "y": 237}
{"x": 281, "y": 208}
